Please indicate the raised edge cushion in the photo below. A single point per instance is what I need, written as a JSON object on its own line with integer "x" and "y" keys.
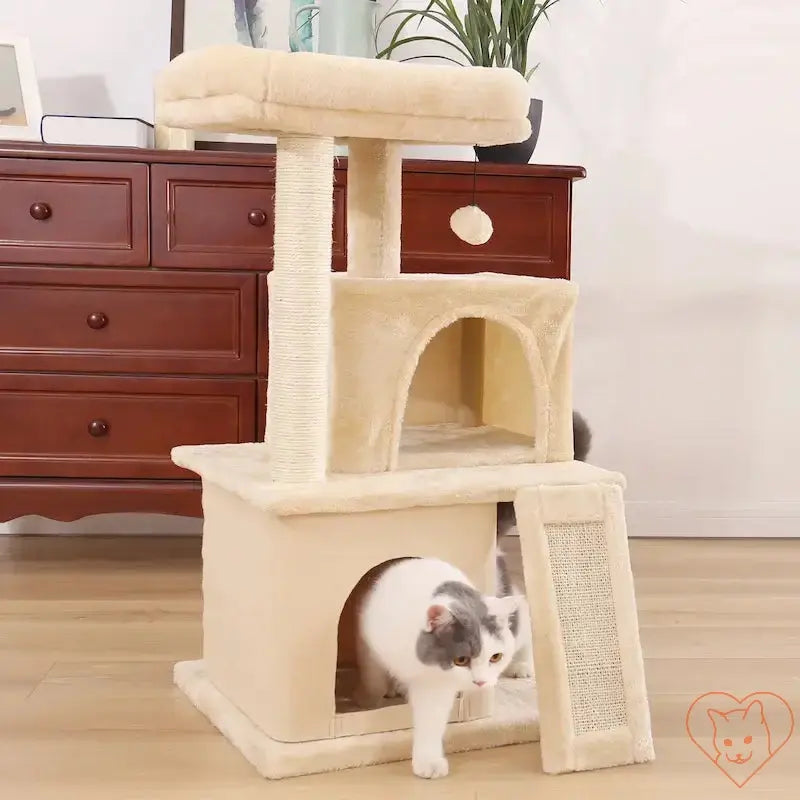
{"x": 239, "y": 89}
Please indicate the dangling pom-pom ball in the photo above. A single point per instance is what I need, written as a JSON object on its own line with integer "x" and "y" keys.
{"x": 471, "y": 225}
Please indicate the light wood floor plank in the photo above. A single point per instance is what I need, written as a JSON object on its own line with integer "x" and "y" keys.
{"x": 90, "y": 628}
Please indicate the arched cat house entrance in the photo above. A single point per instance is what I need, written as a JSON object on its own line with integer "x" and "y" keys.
{"x": 506, "y": 356}
{"x": 472, "y": 391}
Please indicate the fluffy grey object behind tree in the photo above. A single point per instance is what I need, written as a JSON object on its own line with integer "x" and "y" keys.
{"x": 582, "y": 443}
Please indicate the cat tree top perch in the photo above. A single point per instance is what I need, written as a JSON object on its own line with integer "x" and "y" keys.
{"x": 344, "y": 348}
{"x": 245, "y": 90}
{"x": 400, "y": 410}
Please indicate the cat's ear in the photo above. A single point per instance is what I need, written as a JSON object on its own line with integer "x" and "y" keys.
{"x": 437, "y": 617}
{"x": 715, "y": 717}
{"x": 503, "y": 607}
{"x": 755, "y": 712}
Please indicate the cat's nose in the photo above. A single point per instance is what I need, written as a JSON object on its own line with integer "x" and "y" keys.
{"x": 479, "y": 683}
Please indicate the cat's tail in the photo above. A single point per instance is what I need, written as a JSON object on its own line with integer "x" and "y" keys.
{"x": 581, "y": 436}
{"x": 506, "y": 519}
{"x": 582, "y": 444}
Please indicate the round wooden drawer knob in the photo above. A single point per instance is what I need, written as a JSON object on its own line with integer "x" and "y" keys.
{"x": 98, "y": 427}
{"x": 41, "y": 211}
{"x": 257, "y": 217}
{"x": 97, "y": 320}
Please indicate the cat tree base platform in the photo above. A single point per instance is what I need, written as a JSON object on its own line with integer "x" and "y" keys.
{"x": 515, "y": 720}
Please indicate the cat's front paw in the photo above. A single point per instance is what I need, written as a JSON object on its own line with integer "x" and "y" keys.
{"x": 365, "y": 699}
{"x": 395, "y": 690}
{"x": 424, "y": 767}
{"x": 520, "y": 669}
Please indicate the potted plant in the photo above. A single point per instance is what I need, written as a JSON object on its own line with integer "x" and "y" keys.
{"x": 492, "y": 33}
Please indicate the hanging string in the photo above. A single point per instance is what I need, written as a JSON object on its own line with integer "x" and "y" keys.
{"x": 471, "y": 223}
{"x": 475, "y": 181}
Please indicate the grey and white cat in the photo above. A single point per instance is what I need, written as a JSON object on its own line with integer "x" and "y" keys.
{"x": 582, "y": 444}
{"x": 426, "y": 632}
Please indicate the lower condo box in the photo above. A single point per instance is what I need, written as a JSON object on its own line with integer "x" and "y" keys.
{"x": 278, "y": 662}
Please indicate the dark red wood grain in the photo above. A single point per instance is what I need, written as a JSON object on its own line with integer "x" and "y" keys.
{"x": 115, "y": 320}
{"x": 133, "y": 304}
{"x": 91, "y": 213}
{"x": 68, "y": 500}
{"x": 47, "y": 423}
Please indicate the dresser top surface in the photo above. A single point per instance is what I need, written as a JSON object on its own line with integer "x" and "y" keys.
{"x": 262, "y": 158}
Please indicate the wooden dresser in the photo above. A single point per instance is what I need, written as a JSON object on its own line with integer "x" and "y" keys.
{"x": 133, "y": 305}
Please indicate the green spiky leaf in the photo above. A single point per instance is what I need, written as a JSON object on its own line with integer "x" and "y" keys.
{"x": 492, "y": 33}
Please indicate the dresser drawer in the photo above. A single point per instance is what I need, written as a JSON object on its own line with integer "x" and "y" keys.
{"x": 64, "y": 319}
{"x": 80, "y": 426}
{"x": 73, "y": 212}
{"x": 530, "y": 219}
{"x": 219, "y": 216}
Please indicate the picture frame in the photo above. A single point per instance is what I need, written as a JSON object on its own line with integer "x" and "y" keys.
{"x": 177, "y": 23}
{"x": 20, "y": 101}
{"x": 200, "y": 23}
{"x": 259, "y": 23}
{"x": 256, "y": 23}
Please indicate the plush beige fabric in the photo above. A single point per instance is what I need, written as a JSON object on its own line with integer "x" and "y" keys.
{"x": 243, "y": 469}
{"x": 274, "y": 589}
{"x": 382, "y": 327}
{"x": 247, "y": 90}
{"x": 374, "y": 201}
{"x": 173, "y": 138}
{"x": 514, "y": 721}
{"x": 449, "y": 444}
{"x": 589, "y": 666}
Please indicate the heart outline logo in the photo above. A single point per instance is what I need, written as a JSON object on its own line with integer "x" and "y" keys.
{"x": 721, "y": 717}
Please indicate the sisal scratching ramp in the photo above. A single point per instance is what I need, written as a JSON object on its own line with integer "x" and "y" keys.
{"x": 588, "y": 659}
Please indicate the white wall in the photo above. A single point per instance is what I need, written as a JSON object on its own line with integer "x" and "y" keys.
{"x": 93, "y": 56}
{"x": 687, "y": 248}
{"x": 686, "y": 241}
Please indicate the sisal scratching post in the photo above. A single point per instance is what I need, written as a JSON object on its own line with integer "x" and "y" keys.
{"x": 588, "y": 659}
{"x": 299, "y": 310}
{"x": 374, "y": 200}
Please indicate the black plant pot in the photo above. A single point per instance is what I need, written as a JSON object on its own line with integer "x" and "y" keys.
{"x": 519, "y": 152}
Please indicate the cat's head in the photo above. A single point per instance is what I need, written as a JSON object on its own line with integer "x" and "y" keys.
{"x": 739, "y": 731}
{"x": 468, "y": 635}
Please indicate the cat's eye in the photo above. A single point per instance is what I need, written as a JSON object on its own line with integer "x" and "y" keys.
{"x": 461, "y": 661}
{"x": 728, "y": 742}
{"x": 748, "y": 740}
{"x": 495, "y": 658}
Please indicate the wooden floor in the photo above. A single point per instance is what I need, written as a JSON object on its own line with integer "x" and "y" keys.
{"x": 89, "y": 629}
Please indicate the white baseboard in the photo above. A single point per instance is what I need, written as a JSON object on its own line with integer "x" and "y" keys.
{"x": 106, "y": 524}
{"x": 675, "y": 521}
{"x": 780, "y": 520}
{"x": 645, "y": 519}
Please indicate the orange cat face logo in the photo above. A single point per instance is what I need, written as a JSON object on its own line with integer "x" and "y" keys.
{"x": 740, "y": 736}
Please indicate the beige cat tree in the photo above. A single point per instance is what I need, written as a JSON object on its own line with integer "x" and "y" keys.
{"x": 401, "y": 409}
